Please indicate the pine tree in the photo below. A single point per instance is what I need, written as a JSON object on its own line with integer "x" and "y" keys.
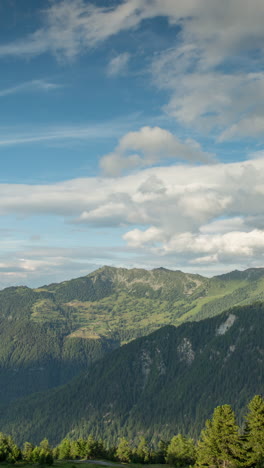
{"x": 161, "y": 454}
{"x": 124, "y": 451}
{"x": 142, "y": 452}
{"x": 180, "y": 451}
{"x": 254, "y": 432}
{"x": 91, "y": 447}
{"x": 9, "y": 451}
{"x": 64, "y": 449}
{"x": 220, "y": 444}
{"x": 27, "y": 451}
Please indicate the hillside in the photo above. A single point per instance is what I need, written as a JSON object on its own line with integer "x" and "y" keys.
{"x": 123, "y": 304}
{"x": 157, "y": 385}
{"x": 52, "y": 333}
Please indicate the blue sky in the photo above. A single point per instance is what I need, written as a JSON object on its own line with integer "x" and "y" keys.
{"x": 131, "y": 134}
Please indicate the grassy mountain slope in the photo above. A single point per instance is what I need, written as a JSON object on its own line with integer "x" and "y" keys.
{"x": 125, "y": 304}
{"x": 50, "y": 334}
{"x": 157, "y": 385}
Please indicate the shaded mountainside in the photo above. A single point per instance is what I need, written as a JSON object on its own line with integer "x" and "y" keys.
{"x": 50, "y": 334}
{"x": 35, "y": 356}
{"x": 158, "y": 385}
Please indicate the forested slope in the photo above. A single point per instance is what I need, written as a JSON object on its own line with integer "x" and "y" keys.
{"x": 52, "y": 333}
{"x": 159, "y": 385}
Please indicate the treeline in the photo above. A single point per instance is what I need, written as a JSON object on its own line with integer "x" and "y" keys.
{"x": 222, "y": 444}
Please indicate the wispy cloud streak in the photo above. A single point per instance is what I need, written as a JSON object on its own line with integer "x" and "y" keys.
{"x": 29, "y": 86}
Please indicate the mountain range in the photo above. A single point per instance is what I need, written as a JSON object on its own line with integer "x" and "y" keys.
{"x": 128, "y": 352}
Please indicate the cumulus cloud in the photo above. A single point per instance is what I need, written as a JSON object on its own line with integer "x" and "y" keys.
{"x": 227, "y": 102}
{"x": 148, "y": 146}
{"x": 195, "y": 214}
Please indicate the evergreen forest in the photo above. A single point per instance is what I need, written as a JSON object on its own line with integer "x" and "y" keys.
{"x": 222, "y": 443}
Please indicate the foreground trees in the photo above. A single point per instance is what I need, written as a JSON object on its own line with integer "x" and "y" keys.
{"x": 254, "y": 432}
{"x": 181, "y": 451}
{"x": 222, "y": 445}
{"x": 9, "y": 451}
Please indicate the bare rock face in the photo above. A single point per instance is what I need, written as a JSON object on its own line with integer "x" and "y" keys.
{"x": 185, "y": 351}
{"x": 224, "y": 327}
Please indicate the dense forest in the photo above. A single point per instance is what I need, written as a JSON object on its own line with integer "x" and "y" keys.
{"x": 222, "y": 443}
{"x": 167, "y": 381}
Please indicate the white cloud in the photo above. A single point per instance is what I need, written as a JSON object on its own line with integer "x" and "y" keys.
{"x": 148, "y": 146}
{"x": 12, "y": 136}
{"x": 72, "y": 27}
{"x": 137, "y": 238}
{"x": 29, "y": 86}
{"x": 118, "y": 64}
{"x": 230, "y": 244}
{"x": 191, "y": 213}
{"x": 223, "y": 225}
{"x": 208, "y": 70}
{"x": 228, "y": 103}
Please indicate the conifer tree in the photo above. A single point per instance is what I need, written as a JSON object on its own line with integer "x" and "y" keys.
{"x": 220, "y": 444}
{"x": 27, "y": 451}
{"x": 180, "y": 451}
{"x": 9, "y": 451}
{"x": 81, "y": 447}
{"x": 124, "y": 451}
{"x": 162, "y": 451}
{"x": 64, "y": 449}
{"x": 142, "y": 451}
{"x": 254, "y": 432}
{"x": 75, "y": 450}
{"x": 91, "y": 447}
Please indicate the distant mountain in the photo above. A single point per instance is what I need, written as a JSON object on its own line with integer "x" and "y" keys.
{"x": 52, "y": 333}
{"x": 124, "y": 304}
{"x": 158, "y": 385}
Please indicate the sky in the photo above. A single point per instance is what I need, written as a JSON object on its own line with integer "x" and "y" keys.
{"x": 131, "y": 135}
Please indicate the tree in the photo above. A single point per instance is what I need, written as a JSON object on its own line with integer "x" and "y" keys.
{"x": 81, "y": 447}
{"x": 27, "y": 451}
{"x": 45, "y": 454}
{"x": 142, "y": 452}
{"x": 180, "y": 451}
{"x": 124, "y": 451}
{"x": 161, "y": 453}
{"x": 9, "y": 451}
{"x": 35, "y": 456}
{"x": 220, "y": 444}
{"x": 93, "y": 448}
{"x": 254, "y": 431}
{"x": 64, "y": 449}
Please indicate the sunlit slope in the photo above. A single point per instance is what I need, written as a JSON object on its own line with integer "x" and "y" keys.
{"x": 124, "y": 304}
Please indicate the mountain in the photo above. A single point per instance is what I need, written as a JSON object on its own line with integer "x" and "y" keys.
{"x": 158, "y": 385}
{"x": 52, "y": 333}
{"x": 37, "y": 355}
{"x": 125, "y": 304}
